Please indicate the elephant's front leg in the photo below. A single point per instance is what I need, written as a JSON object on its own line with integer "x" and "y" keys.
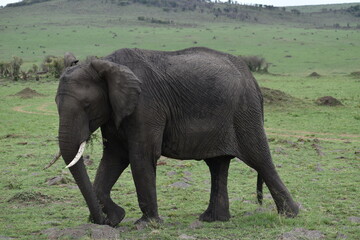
{"x": 113, "y": 163}
{"x": 218, "y": 209}
{"x": 108, "y": 173}
{"x": 143, "y": 167}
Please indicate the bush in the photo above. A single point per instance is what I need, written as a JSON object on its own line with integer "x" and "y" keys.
{"x": 5, "y": 70}
{"x": 255, "y": 63}
{"x": 53, "y": 65}
{"x": 11, "y": 69}
{"x": 354, "y": 10}
{"x": 15, "y": 65}
{"x": 154, "y": 20}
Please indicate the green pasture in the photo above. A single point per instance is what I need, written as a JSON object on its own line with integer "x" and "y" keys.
{"x": 315, "y": 148}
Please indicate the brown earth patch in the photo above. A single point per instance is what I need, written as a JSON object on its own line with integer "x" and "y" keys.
{"x": 274, "y": 96}
{"x": 28, "y": 93}
{"x": 11, "y": 136}
{"x": 301, "y": 233}
{"x": 41, "y": 110}
{"x": 85, "y": 231}
{"x": 328, "y": 101}
{"x": 29, "y": 198}
{"x": 314, "y": 75}
{"x": 355, "y": 74}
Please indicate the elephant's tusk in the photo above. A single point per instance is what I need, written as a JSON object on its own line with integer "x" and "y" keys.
{"x": 78, "y": 155}
{"x": 56, "y": 157}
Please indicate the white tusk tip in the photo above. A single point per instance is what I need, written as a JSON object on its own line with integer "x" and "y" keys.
{"x": 78, "y": 155}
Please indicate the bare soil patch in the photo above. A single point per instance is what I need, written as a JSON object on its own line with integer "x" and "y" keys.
{"x": 301, "y": 233}
{"x": 274, "y": 96}
{"x": 328, "y": 101}
{"x": 314, "y": 75}
{"x": 11, "y": 136}
{"x": 85, "y": 231}
{"x": 28, "y": 93}
{"x": 355, "y": 74}
{"x": 29, "y": 198}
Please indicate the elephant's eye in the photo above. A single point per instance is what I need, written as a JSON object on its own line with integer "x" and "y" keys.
{"x": 86, "y": 105}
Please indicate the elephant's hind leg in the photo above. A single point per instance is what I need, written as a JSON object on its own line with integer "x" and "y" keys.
{"x": 283, "y": 200}
{"x": 257, "y": 155}
{"x": 218, "y": 209}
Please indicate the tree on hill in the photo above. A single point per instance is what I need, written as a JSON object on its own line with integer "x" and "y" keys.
{"x": 354, "y": 10}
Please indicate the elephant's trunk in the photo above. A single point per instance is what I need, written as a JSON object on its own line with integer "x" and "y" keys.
{"x": 74, "y": 129}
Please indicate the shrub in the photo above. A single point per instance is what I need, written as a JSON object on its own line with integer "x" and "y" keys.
{"x": 5, "y": 69}
{"x": 154, "y": 20}
{"x": 11, "y": 69}
{"x": 256, "y": 63}
{"x": 35, "y": 68}
{"x": 15, "y": 65}
{"x": 354, "y": 10}
{"x": 53, "y": 65}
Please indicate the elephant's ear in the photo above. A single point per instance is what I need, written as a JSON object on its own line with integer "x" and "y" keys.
{"x": 70, "y": 60}
{"x": 123, "y": 87}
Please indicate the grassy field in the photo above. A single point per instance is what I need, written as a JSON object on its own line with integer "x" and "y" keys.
{"x": 316, "y": 148}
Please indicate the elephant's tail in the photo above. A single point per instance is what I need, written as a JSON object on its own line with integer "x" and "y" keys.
{"x": 259, "y": 189}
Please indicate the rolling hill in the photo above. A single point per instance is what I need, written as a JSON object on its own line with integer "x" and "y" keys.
{"x": 293, "y": 40}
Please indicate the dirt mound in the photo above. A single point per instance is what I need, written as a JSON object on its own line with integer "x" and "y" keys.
{"x": 28, "y": 93}
{"x": 274, "y": 96}
{"x": 355, "y": 74}
{"x": 314, "y": 75}
{"x": 328, "y": 101}
{"x": 29, "y": 198}
{"x": 301, "y": 233}
{"x": 85, "y": 231}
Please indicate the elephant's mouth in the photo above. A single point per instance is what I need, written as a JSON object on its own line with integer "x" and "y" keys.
{"x": 94, "y": 124}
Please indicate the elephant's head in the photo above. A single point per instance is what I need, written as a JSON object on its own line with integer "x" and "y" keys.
{"x": 88, "y": 96}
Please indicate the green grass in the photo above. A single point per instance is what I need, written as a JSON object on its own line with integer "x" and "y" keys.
{"x": 316, "y": 148}
{"x": 326, "y": 186}
{"x": 307, "y": 116}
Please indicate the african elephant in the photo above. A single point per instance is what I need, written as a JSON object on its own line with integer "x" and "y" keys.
{"x": 195, "y": 103}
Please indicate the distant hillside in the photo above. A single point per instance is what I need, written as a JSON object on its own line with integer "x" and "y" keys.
{"x": 291, "y": 40}
{"x": 320, "y": 16}
{"x": 25, "y": 3}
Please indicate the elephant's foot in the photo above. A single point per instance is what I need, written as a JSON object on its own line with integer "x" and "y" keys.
{"x": 144, "y": 220}
{"x": 289, "y": 210}
{"x": 115, "y": 216}
{"x": 212, "y": 216}
{"x": 101, "y": 221}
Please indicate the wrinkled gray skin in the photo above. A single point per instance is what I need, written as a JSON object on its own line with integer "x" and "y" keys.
{"x": 195, "y": 103}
